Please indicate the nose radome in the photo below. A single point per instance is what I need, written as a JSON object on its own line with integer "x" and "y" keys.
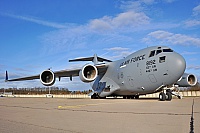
{"x": 177, "y": 65}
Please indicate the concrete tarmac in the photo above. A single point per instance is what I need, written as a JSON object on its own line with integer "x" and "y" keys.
{"x": 54, "y": 115}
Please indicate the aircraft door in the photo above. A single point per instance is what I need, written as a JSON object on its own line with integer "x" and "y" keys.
{"x": 164, "y": 66}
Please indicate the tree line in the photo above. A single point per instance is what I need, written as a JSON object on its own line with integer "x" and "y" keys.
{"x": 63, "y": 91}
{"x": 43, "y": 90}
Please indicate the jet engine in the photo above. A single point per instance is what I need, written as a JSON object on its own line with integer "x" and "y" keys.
{"x": 47, "y": 78}
{"x": 187, "y": 80}
{"x": 88, "y": 73}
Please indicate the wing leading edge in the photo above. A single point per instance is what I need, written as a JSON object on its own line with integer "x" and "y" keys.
{"x": 23, "y": 78}
{"x": 62, "y": 73}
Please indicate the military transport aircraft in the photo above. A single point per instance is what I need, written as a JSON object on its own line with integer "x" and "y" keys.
{"x": 150, "y": 70}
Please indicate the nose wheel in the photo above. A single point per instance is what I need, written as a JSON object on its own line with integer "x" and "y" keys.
{"x": 165, "y": 96}
{"x": 162, "y": 96}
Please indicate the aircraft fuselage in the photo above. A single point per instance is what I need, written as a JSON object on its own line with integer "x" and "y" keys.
{"x": 142, "y": 72}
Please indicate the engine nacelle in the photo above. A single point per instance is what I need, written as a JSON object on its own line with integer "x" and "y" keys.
{"x": 47, "y": 77}
{"x": 187, "y": 80}
{"x": 88, "y": 73}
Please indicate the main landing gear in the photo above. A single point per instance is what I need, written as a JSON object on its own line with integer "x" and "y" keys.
{"x": 96, "y": 96}
{"x": 131, "y": 97}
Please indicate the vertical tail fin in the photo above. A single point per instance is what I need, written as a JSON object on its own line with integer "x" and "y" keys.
{"x": 95, "y": 59}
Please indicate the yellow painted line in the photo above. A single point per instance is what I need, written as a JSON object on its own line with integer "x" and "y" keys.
{"x": 76, "y": 106}
{"x": 92, "y": 104}
{"x": 84, "y": 105}
{"x": 65, "y": 107}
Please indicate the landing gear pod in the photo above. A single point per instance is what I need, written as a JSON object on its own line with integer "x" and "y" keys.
{"x": 47, "y": 78}
{"x": 88, "y": 73}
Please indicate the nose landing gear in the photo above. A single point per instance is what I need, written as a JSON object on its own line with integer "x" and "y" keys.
{"x": 165, "y": 96}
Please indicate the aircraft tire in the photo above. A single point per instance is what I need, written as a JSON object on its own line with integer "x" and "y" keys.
{"x": 179, "y": 97}
{"x": 162, "y": 96}
{"x": 168, "y": 96}
{"x": 137, "y": 96}
{"x": 128, "y": 97}
{"x": 94, "y": 96}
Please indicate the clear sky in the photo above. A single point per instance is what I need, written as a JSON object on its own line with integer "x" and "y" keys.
{"x": 39, "y": 34}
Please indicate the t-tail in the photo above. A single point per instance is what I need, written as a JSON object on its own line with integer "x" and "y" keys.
{"x": 95, "y": 59}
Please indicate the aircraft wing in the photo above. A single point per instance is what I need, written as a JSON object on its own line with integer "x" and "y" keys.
{"x": 62, "y": 73}
{"x": 23, "y": 78}
{"x": 75, "y": 72}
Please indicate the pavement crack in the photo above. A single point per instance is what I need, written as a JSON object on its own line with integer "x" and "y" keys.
{"x": 25, "y": 107}
{"x": 41, "y": 126}
{"x": 134, "y": 113}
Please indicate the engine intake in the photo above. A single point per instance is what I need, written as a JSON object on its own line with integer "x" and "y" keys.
{"x": 187, "y": 80}
{"x": 88, "y": 73}
{"x": 47, "y": 78}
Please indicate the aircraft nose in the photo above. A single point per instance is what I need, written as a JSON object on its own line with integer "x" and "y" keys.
{"x": 177, "y": 65}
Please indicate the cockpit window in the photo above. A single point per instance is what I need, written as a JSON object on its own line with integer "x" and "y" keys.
{"x": 152, "y": 53}
{"x": 167, "y": 50}
{"x": 162, "y": 59}
{"x": 158, "y": 52}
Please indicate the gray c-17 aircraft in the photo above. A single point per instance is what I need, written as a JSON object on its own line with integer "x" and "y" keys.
{"x": 150, "y": 70}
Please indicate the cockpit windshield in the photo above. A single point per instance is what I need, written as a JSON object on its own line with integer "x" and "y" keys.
{"x": 152, "y": 53}
{"x": 167, "y": 50}
{"x": 156, "y": 52}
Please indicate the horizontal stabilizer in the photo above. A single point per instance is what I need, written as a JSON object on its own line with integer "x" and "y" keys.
{"x": 90, "y": 59}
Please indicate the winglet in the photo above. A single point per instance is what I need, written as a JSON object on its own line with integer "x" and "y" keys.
{"x": 6, "y": 76}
